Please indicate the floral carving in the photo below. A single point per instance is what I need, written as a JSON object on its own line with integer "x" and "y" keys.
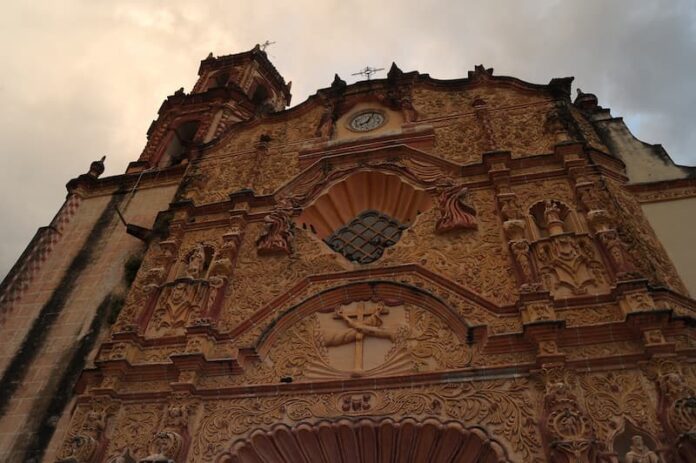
{"x": 505, "y": 407}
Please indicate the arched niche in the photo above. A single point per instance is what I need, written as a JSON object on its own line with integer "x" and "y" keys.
{"x": 368, "y": 440}
{"x": 552, "y": 216}
{"x": 630, "y": 438}
{"x": 366, "y": 211}
{"x": 364, "y": 329}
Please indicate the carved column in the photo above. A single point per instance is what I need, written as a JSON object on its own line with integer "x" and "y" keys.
{"x": 170, "y": 444}
{"x": 602, "y": 224}
{"x": 566, "y": 426}
{"x": 89, "y": 443}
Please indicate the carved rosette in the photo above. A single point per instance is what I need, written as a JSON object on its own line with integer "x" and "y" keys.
{"x": 455, "y": 214}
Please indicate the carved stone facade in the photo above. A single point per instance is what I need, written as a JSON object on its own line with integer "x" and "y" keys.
{"x": 516, "y": 305}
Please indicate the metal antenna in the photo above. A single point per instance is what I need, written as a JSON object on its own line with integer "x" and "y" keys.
{"x": 367, "y": 72}
{"x": 265, "y": 45}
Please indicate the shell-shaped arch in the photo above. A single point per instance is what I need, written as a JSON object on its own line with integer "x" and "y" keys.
{"x": 368, "y": 440}
{"x": 364, "y": 190}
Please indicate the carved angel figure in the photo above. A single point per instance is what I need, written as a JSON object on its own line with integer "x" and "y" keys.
{"x": 455, "y": 214}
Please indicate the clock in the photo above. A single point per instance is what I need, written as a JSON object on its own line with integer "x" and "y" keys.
{"x": 367, "y": 120}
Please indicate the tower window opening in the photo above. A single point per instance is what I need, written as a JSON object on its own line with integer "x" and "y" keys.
{"x": 180, "y": 143}
{"x": 365, "y": 238}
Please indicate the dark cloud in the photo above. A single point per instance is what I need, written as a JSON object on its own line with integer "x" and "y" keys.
{"x": 81, "y": 79}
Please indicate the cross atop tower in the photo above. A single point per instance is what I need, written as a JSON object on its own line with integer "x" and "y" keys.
{"x": 367, "y": 72}
{"x": 265, "y": 45}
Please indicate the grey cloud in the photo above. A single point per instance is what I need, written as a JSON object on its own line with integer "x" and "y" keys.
{"x": 81, "y": 79}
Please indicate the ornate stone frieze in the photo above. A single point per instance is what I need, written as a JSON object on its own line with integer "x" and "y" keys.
{"x": 503, "y": 408}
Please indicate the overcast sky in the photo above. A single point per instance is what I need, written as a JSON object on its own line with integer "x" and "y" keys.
{"x": 81, "y": 79}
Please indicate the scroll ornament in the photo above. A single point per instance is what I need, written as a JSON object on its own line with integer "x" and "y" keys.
{"x": 455, "y": 214}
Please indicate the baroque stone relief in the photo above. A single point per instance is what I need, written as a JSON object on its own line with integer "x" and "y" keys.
{"x": 503, "y": 408}
{"x": 364, "y": 339}
{"x": 476, "y": 259}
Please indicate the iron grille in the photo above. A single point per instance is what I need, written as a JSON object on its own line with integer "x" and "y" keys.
{"x": 364, "y": 239}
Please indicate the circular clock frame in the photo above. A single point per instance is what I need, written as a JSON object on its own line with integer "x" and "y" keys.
{"x": 366, "y": 120}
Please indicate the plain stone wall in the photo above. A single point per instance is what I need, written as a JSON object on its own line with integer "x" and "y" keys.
{"x": 102, "y": 276}
{"x": 674, "y": 223}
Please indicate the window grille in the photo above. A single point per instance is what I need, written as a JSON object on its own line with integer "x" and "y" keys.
{"x": 364, "y": 239}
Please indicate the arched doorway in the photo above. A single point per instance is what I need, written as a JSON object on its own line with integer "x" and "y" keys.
{"x": 368, "y": 440}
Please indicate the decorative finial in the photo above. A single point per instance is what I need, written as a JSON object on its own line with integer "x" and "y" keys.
{"x": 480, "y": 72}
{"x": 97, "y": 168}
{"x": 210, "y": 55}
{"x": 338, "y": 83}
{"x": 394, "y": 72}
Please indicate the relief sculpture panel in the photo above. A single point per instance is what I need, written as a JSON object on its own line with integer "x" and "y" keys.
{"x": 364, "y": 339}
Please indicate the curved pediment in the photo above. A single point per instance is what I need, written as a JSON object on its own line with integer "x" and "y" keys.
{"x": 415, "y": 166}
{"x": 364, "y": 329}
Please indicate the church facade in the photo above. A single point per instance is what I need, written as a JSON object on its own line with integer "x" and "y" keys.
{"x": 402, "y": 269}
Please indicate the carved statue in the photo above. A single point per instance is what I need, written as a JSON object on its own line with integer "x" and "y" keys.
{"x": 455, "y": 214}
{"x": 326, "y": 126}
{"x": 617, "y": 253}
{"x": 640, "y": 453}
{"x": 510, "y": 207}
{"x": 520, "y": 251}
{"x": 196, "y": 262}
{"x": 552, "y": 217}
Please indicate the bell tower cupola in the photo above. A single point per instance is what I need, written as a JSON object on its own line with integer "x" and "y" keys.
{"x": 230, "y": 89}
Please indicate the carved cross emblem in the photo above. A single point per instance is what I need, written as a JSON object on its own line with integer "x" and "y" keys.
{"x": 364, "y": 320}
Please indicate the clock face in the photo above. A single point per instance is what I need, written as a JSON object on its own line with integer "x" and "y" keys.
{"x": 366, "y": 121}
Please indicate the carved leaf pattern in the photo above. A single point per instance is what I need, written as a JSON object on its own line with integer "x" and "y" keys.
{"x": 278, "y": 273}
{"x": 506, "y": 408}
{"x": 477, "y": 260}
{"x": 610, "y": 398}
{"x": 135, "y": 426}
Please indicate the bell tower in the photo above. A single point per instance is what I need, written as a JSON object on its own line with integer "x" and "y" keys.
{"x": 230, "y": 89}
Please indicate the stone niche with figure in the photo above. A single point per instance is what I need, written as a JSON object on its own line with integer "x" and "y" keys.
{"x": 193, "y": 293}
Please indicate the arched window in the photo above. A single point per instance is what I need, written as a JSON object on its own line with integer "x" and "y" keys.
{"x": 260, "y": 95}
